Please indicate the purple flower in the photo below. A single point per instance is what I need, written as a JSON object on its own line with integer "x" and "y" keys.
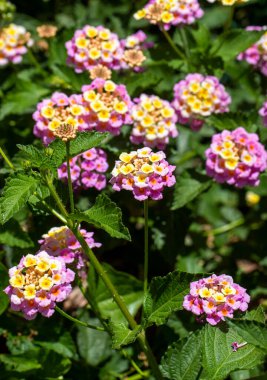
{"x": 263, "y": 113}
{"x": 236, "y": 158}
{"x": 216, "y": 298}
{"x": 86, "y": 170}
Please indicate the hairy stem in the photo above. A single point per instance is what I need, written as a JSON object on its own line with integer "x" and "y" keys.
{"x": 69, "y": 177}
{"x": 56, "y": 197}
{"x": 146, "y": 246}
{"x": 84, "y": 324}
{"x": 50, "y": 208}
{"x": 172, "y": 44}
{"x": 226, "y": 227}
{"x": 6, "y": 159}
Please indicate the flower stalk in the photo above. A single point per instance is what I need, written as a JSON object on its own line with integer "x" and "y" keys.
{"x": 69, "y": 177}
{"x": 145, "y": 245}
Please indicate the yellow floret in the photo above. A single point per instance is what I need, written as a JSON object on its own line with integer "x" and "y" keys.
{"x": 147, "y": 121}
{"x": 54, "y": 124}
{"x": 42, "y": 265}
{"x": 29, "y": 260}
{"x": 147, "y": 169}
{"x": 81, "y": 42}
{"x": 228, "y": 290}
{"x": 91, "y": 32}
{"x": 219, "y": 297}
{"x": 90, "y": 96}
{"x": 94, "y": 53}
{"x": 29, "y": 292}
{"x": 109, "y": 86}
{"x": 121, "y": 107}
{"x": 97, "y": 105}
{"x": 252, "y": 198}
{"x": 205, "y": 292}
{"x": 104, "y": 34}
{"x": 76, "y": 110}
{"x": 46, "y": 283}
{"x": 231, "y": 164}
{"x": 167, "y": 112}
{"x": 17, "y": 281}
{"x": 140, "y": 14}
{"x": 48, "y": 112}
{"x": 103, "y": 115}
{"x": 125, "y": 157}
{"x": 126, "y": 169}
{"x": 167, "y": 17}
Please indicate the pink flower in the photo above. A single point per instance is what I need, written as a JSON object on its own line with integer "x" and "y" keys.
{"x": 153, "y": 122}
{"x": 57, "y": 111}
{"x": 199, "y": 96}
{"x": 91, "y": 46}
{"x": 263, "y": 113}
{"x": 61, "y": 242}
{"x": 86, "y": 170}
{"x": 168, "y": 13}
{"x": 35, "y": 280}
{"x": 144, "y": 173}
{"x": 236, "y": 158}
{"x": 14, "y": 43}
{"x": 216, "y": 298}
{"x": 108, "y": 106}
{"x": 256, "y": 55}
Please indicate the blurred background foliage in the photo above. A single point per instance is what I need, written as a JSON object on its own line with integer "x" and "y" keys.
{"x": 201, "y": 226}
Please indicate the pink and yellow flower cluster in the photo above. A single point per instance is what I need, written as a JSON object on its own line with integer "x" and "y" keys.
{"x": 14, "y": 43}
{"x": 143, "y": 172}
{"x": 215, "y": 298}
{"x": 59, "y": 110}
{"x": 37, "y": 283}
{"x": 256, "y": 55}
{"x": 60, "y": 242}
{"x": 107, "y": 105}
{"x": 133, "y": 47}
{"x": 170, "y": 12}
{"x": 87, "y": 170}
{"x": 153, "y": 122}
{"x": 199, "y": 96}
{"x": 236, "y": 158}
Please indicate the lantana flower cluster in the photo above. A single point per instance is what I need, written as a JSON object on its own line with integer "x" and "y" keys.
{"x": 263, "y": 113}
{"x": 143, "y": 172}
{"x": 153, "y": 122}
{"x": 199, "y": 96}
{"x": 228, "y": 2}
{"x": 86, "y": 169}
{"x": 256, "y": 55}
{"x": 61, "y": 243}
{"x": 14, "y": 43}
{"x": 133, "y": 47}
{"x": 37, "y": 283}
{"x": 108, "y": 106}
{"x": 170, "y": 12}
{"x": 94, "y": 45}
{"x": 236, "y": 157}
{"x": 59, "y": 110}
{"x": 215, "y": 298}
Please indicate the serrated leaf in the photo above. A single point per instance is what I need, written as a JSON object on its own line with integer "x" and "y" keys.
{"x": 106, "y": 215}
{"x": 122, "y": 335}
{"x": 231, "y": 43}
{"x": 251, "y": 331}
{"x": 13, "y": 236}
{"x": 219, "y": 360}
{"x": 19, "y": 364}
{"x": 84, "y": 141}
{"x": 187, "y": 189}
{"x": 182, "y": 360}
{"x": 165, "y": 295}
{"x": 255, "y": 315}
{"x": 128, "y": 287}
{"x": 15, "y": 195}
{"x": 36, "y": 156}
{"x": 4, "y": 300}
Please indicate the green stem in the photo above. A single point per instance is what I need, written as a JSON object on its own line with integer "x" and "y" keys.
{"x": 51, "y": 209}
{"x": 7, "y": 160}
{"x": 146, "y": 246}
{"x": 133, "y": 363}
{"x": 56, "y": 197}
{"x": 139, "y": 376}
{"x": 229, "y": 21}
{"x": 69, "y": 177}
{"x": 84, "y": 324}
{"x": 174, "y": 47}
{"x": 101, "y": 272}
{"x": 186, "y": 46}
{"x": 226, "y": 227}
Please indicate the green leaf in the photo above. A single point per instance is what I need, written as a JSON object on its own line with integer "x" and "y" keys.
{"x": 219, "y": 360}
{"x": 165, "y": 295}
{"x": 64, "y": 346}
{"x": 202, "y": 36}
{"x": 4, "y": 300}
{"x": 231, "y": 43}
{"x": 94, "y": 346}
{"x": 187, "y": 189}
{"x": 106, "y": 215}
{"x": 19, "y": 364}
{"x": 232, "y": 120}
{"x": 84, "y": 141}
{"x": 13, "y": 236}
{"x": 36, "y": 156}
{"x": 255, "y": 315}
{"x": 122, "y": 335}
{"x": 129, "y": 288}
{"x": 182, "y": 360}
{"x": 251, "y": 331}
{"x": 15, "y": 195}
